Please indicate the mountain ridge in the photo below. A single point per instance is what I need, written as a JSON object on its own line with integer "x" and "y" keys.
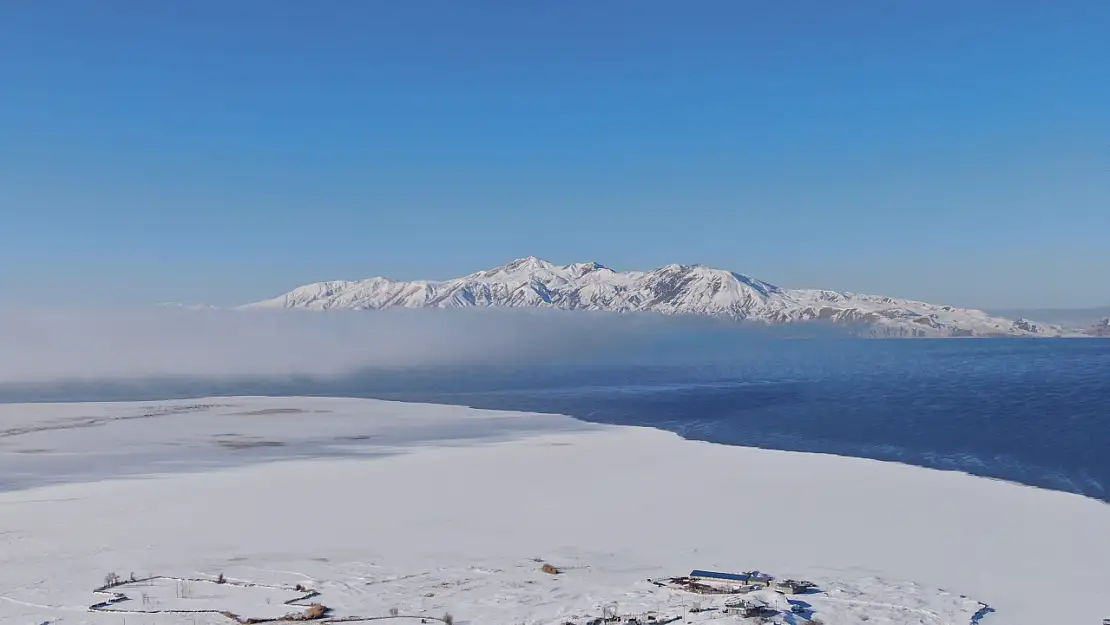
{"x": 673, "y": 289}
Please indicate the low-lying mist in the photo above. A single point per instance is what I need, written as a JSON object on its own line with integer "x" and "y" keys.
{"x": 42, "y": 346}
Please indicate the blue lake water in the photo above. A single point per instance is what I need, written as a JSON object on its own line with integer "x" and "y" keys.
{"x": 1030, "y": 411}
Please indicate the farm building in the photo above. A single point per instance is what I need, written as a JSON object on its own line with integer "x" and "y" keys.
{"x": 755, "y": 578}
{"x": 748, "y": 609}
{"x": 714, "y": 576}
{"x": 748, "y": 579}
{"x": 794, "y": 587}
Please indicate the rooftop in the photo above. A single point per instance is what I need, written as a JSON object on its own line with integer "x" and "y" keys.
{"x": 734, "y": 577}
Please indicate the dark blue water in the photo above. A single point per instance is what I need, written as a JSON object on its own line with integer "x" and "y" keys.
{"x": 1030, "y": 411}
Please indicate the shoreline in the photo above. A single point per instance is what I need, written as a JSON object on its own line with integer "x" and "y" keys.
{"x": 606, "y": 498}
{"x": 207, "y": 399}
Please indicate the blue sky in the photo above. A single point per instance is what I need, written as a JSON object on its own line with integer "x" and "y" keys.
{"x": 223, "y": 152}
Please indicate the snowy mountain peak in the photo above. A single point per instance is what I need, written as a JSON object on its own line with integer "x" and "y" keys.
{"x": 528, "y": 263}
{"x": 672, "y": 289}
{"x": 582, "y": 269}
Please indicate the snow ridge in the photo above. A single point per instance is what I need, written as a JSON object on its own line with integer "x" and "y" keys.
{"x": 671, "y": 289}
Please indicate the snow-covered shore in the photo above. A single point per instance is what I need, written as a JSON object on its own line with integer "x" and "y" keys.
{"x": 384, "y": 505}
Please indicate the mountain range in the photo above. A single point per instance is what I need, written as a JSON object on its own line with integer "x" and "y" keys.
{"x": 673, "y": 290}
{"x": 1066, "y": 317}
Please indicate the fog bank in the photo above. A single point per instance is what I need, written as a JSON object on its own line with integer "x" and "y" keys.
{"x": 55, "y": 345}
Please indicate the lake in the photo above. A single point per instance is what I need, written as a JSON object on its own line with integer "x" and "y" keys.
{"x": 1030, "y": 411}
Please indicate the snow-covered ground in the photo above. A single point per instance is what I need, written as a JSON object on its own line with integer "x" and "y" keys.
{"x": 157, "y": 595}
{"x": 434, "y": 509}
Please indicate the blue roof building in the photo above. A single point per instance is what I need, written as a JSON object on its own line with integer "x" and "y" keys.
{"x": 724, "y": 577}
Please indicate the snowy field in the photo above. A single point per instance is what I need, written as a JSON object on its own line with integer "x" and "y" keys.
{"x": 426, "y": 510}
{"x": 200, "y": 598}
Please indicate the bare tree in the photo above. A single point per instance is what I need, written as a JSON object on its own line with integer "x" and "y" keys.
{"x": 111, "y": 579}
{"x": 394, "y": 612}
{"x": 448, "y": 619}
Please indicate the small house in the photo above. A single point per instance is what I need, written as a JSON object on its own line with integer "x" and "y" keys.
{"x": 794, "y": 587}
{"x": 755, "y": 578}
{"x": 749, "y": 610}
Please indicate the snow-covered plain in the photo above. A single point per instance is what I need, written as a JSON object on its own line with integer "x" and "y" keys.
{"x": 434, "y": 509}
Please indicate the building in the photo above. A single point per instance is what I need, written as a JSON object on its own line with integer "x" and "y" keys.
{"x": 750, "y": 578}
{"x": 714, "y": 576}
{"x": 794, "y": 587}
{"x": 749, "y": 610}
{"x": 755, "y": 578}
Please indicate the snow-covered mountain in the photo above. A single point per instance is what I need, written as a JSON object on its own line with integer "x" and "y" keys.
{"x": 672, "y": 290}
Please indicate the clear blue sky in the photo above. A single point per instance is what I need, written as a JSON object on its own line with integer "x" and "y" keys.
{"x": 225, "y": 151}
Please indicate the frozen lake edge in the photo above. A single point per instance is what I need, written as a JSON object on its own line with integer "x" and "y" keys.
{"x": 455, "y": 489}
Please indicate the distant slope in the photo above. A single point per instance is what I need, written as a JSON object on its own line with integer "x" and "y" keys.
{"x": 672, "y": 289}
{"x": 1102, "y": 328}
{"x": 1067, "y": 317}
